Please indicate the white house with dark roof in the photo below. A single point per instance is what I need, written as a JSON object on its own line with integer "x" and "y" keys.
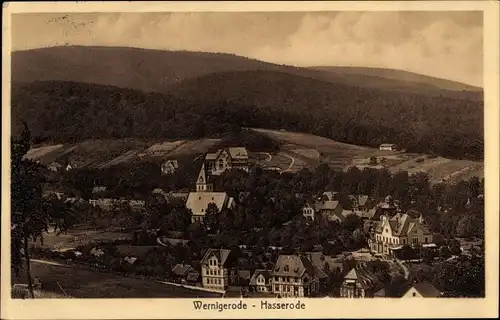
{"x": 422, "y": 290}
{"x": 294, "y": 276}
{"x": 391, "y": 234}
{"x": 215, "y": 267}
{"x": 169, "y": 166}
{"x": 227, "y": 159}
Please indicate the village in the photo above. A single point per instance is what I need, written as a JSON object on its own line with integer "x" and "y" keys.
{"x": 392, "y": 254}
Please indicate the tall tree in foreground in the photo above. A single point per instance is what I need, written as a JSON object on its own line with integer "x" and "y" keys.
{"x": 29, "y": 216}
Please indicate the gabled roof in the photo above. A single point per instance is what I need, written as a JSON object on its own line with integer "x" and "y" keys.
{"x": 363, "y": 199}
{"x": 221, "y": 254}
{"x": 426, "y": 289}
{"x": 238, "y": 153}
{"x": 265, "y": 273}
{"x": 213, "y": 156}
{"x": 98, "y": 189}
{"x": 198, "y": 202}
{"x": 364, "y": 277}
{"x": 244, "y": 274}
{"x": 192, "y": 275}
{"x": 326, "y": 205}
{"x": 330, "y": 194}
{"x": 293, "y": 265}
{"x": 174, "y": 163}
{"x": 181, "y": 270}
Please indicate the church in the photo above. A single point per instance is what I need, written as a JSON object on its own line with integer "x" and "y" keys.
{"x": 204, "y": 195}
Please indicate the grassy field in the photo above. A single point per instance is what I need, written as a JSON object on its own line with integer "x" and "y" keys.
{"x": 82, "y": 283}
{"x": 75, "y": 238}
{"x": 299, "y": 150}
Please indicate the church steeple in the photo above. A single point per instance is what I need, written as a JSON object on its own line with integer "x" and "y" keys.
{"x": 202, "y": 183}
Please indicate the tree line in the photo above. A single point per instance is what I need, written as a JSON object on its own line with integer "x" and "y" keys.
{"x": 60, "y": 111}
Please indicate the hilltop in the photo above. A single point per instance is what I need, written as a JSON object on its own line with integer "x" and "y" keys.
{"x": 157, "y": 70}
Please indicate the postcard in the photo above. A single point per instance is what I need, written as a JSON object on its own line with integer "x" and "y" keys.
{"x": 224, "y": 160}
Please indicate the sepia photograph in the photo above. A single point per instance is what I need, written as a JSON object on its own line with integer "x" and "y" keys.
{"x": 247, "y": 159}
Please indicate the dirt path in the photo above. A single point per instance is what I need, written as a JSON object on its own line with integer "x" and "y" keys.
{"x": 291, "y": 164}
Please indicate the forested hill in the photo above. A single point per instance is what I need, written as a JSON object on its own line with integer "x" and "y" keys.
{"x": 157, "y": 70}
{"x": 206, "y": 106}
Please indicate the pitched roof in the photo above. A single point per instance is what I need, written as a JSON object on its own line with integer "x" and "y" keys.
{"x": 363, "y": 276}
{"x": 55, "y": 164}
{"x": 326, "y": 205}
{"x": 98, "y": 189}
{"x": 293, "y": 265}
{"x": 174, "y": 163}
{"x": 426, "y": 289}
{"x": 330, "y": 194}
{"x": 181, "y": 269}
{"x": 265, "y": 273}
{"x": 238, "y": 153}
{"x": 192, "y": 275}
{"x": 362, "y": 199}
{"x": 213, "y": 156}
{"x": 401, "y": 224}
{"x": 158, "y": 190}
{"x": 198, "y": 202}
{"x": 244, "y": 274}
{"x": 387, "y": 145}
{"x": 203, "y": 176}
{"x": 221, "y": 254}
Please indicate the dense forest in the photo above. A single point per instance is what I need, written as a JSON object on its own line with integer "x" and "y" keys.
{"x": 67, "y": 112}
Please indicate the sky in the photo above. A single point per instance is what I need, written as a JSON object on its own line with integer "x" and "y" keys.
{"x": 443, "y": 44}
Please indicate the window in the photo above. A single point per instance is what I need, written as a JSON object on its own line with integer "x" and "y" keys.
{"x": 425, "y": 240}
{"x": 414, "y": 294}
{"x": 286, "y": 269}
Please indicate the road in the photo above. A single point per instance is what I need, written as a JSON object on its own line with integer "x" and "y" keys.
{"x": 291, "y": 164}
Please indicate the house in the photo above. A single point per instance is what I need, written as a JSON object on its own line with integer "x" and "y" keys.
{"x": 198, "y": 201}
{"x": 70, "y": 166}
{"x": 261, "y": 281}
{"x": 158, "y": 191}
{"x": 388, "y": 207}
{"x": 55, "y": 166}
{"x": 388, "y": 147}
{"x": 215, "y": 268}
{"x": 182, "y": 196}
{"x": 391, "y": 234}
{"x": 169, "y": 166}
{"x": 320, "y": 261}
{"x": 181, "y": 272}
{"x": 361, "y": 202}
{"x": 98, "y": 189}
{"x": 308, "y": 211}
{"x": 239, "y": 277}
{"x": 330, "y": 196}
{"x": 422, "y": 290}
{"x": 359, "y": 283}
{"x": 332, "y": 210}
{"x": 227, "y": 159}
{"x": 294, "y": 276}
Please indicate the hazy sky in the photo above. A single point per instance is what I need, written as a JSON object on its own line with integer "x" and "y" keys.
{"x": 442, "y": 44}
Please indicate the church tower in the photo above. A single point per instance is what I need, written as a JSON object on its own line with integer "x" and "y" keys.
{"x": 202, "y": 184}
